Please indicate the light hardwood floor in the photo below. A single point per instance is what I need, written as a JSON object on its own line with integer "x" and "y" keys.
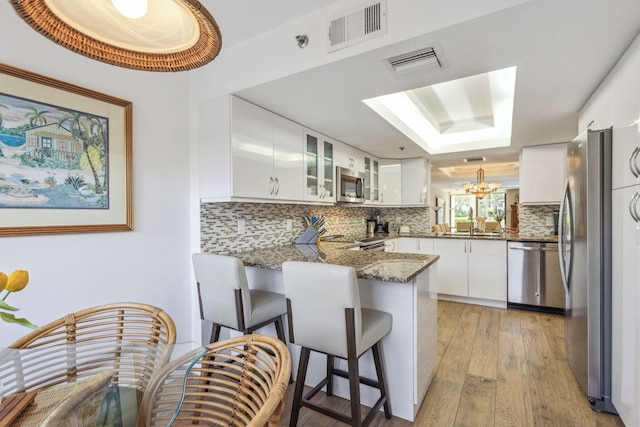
{"x": 495, "y": 368}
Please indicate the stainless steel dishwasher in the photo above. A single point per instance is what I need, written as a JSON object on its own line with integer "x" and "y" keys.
{"x": 533, "y": 277}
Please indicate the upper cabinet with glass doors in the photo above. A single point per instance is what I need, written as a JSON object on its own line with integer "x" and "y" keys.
{"x": 371, "y": 167}
{"x": 319, "y": 168}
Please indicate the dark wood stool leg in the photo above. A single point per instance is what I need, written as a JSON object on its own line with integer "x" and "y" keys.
{"x": 297, "y": 394}
{"x": 354, "y": 388}
{"x": 329, "y": 375}
{"x": 215, "y": 332}
{"x": 382, "y": 377}
{"x": 280, "y": 330}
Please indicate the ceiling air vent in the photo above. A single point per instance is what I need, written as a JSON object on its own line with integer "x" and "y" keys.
{"x": 418, "y": 59}
{"x": 357, "y": 25}
{"x": 474, "y": 159}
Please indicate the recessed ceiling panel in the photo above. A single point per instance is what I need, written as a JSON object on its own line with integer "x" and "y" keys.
{"x": 465, "y": 114}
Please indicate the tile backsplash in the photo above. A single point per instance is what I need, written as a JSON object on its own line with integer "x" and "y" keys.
{"x": 266, "y": 223}
{"x": 537, "y": 220}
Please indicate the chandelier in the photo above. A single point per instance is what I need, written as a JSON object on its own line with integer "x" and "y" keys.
{"x": 481, "y": 188}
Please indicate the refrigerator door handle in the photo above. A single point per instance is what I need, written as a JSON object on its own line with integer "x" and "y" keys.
{"x": 633, "y": 205}
{"x": 633, "y": 162}
{"x": 565, "y": 261}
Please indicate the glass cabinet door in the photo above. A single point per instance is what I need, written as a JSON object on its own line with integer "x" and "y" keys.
{"x": 329, "y": 172}
{"x": 367, "y": 178}
{"x": 375, "y": 194}
{"x": 319, "y": 167}
{"x": 311, "y": 165}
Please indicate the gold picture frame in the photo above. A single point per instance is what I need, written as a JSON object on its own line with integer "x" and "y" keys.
{"x": 65, "y": 157}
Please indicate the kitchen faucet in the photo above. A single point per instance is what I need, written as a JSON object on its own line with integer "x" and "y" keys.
{"x": 471, "y": 227}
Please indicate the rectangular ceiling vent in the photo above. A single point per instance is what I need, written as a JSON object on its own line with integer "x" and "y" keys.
{"x": 474, "y": 159}
{"x": 411, "y": 61}
{"x": 357, "y": 25}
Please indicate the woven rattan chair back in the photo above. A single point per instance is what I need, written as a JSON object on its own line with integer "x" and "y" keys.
{"x": 237, "y": 382}
{"x": 130, "y": 339}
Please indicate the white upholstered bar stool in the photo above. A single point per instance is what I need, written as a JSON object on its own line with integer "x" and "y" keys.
{"x": 226, "y": 300}
{"x": 323, "y": 307}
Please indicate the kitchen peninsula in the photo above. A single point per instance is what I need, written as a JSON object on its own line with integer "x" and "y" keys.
{"x": 404, "y": 285}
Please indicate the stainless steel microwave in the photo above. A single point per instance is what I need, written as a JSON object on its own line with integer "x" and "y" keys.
{"x": 350, "y": 185}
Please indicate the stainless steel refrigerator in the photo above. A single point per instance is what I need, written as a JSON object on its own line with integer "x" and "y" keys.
{"x": 585, "y": 264}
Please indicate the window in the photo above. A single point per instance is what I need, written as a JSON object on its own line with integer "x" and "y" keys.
{"x": 492, "y": 207}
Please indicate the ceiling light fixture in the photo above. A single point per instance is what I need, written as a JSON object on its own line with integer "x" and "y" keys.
{"x": 161, "y": 35}
{"x": 132, "y": 9}
{"x": 481, "y": 188}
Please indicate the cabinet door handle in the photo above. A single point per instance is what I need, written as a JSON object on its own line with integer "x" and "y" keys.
{"x": 277, "y": 186}
{"x": 271, "y": 186}
{"x": 465, "y": 247}
{"x": 421, "y": 197}
{"x": 633, "y": 164}
{"x": 469, "y": 247}
{"x": 632, "y": 207}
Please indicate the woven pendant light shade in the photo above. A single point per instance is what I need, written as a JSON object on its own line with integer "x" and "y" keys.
{"x": 174, "y": 35}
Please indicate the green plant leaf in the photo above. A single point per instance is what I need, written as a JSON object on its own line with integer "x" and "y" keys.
{"x": 10, "y": 318}
{"x": 5, "y": 306}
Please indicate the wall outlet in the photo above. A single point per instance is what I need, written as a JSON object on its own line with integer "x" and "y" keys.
{"x": 289, "y": 224}
{"x": 241, "y": 226}
{"x": 550, "y": 221}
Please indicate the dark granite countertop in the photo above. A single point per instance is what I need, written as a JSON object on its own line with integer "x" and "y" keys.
{"x": 372, "y": 265}
{"x": 485, "y": 236}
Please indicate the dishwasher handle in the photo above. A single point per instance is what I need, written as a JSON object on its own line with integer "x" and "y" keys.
{"x": 525, "y": 248}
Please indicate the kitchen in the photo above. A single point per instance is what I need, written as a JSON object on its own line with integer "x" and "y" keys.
{"x": 181, "y": 219}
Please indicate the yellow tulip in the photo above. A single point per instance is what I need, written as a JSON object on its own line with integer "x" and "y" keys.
{"x": 17, "y": 281}
{"x": 3, "y": 281}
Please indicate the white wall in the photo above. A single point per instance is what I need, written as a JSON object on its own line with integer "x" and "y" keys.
{"x": 152, "y": 263}
{"x": 275, "y": 54}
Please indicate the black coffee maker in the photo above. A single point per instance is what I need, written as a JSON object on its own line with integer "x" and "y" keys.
{"x": 556, "y": 218}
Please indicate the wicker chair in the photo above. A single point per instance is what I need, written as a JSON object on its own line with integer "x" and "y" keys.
{"x": 130, "y": 339}
{"x": 236, "y": 382}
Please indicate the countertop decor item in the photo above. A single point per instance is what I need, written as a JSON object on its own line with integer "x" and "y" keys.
{"x": 157, "y": 35}
{"x": 15, "y": 282}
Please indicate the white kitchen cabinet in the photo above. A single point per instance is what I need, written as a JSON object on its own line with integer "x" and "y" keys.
{"x": 349, "y": 157}
{"x": 413, "y": 245}
{"x": 266, "y": 153}
{"x": 288, "y": 170}
{"x": 251, "y": 150}
{"x": 390, "y": 176}
{"x": 407, "y": 245}
{"x": 543, "y": 174}
{"x": 248, "y": 153}
{"x": 319, "y": 168}
{"x": 424, "y": 246}
{"x": 473, "y": 268}
{"x": 415, "y": 182}
{"x": 452, "y": 266}
{"x": 625, "y": 363}
{"x": 391, "y": 245}
{"x": 488, "y": 269}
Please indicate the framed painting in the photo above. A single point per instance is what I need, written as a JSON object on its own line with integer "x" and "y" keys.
{"x": 65, "y": 157}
